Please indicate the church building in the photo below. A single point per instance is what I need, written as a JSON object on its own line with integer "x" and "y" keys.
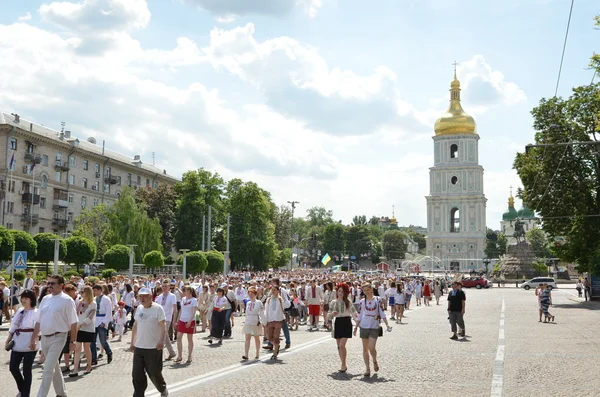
{"x": 456, "y": 205}
{"x": 510, "y": 218}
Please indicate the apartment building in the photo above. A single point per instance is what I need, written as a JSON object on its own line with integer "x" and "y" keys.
{"x": 49, "y": 177}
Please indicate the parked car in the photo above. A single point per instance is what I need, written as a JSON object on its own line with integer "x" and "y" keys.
{"x": 535, "y": 282}
{"x": 477, "y": 282}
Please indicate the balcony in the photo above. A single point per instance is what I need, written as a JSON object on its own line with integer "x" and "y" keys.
{"x": 28, "y": 219}
{"x": 31, "y": 157}
{"x": 62, "y": 223}
{"x": 28, "y": 198}
{"x": 61, "y": 165}
{"x": 111, "y": 179}
{"x": 61, "y": 199}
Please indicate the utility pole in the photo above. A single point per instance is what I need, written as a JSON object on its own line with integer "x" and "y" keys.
{"x": 131, "y": 246}
{"x": 203, "y": 232}
{"x": 184, "y": 268}
{"x": 293, "y": 203}
{"x": 226, "y": 256}
{"x": 209, "y": 242}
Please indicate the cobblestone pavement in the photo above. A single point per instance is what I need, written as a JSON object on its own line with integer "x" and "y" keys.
{"x": 417, "y": 357}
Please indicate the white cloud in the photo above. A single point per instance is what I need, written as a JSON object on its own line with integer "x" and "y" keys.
{"x": 26, "y": 17}
{"x": 228, "y": 10}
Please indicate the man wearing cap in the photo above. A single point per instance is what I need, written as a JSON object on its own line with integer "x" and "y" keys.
{"x": 147, "y": 343}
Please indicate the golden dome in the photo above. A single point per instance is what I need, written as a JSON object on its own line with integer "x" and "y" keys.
{"x": 455, "y": 120}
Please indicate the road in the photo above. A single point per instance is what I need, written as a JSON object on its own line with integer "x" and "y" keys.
{"x": 507, "y": 352}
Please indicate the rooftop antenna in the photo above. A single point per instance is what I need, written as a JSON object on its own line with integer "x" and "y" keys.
{"x": 62, "y": 126}
{"x": 153, "y": 158}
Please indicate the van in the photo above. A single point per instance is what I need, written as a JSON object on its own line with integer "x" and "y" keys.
{"x": 535, "y": 282}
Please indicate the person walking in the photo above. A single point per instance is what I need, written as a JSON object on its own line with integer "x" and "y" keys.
{"x": 274, "y": 317}
{"x": 57, "y": 317}
{"x": 186, "y": 324}
{"x": 342, "y": 311}
{"x": 168, "y": 301}
{"x": 86, "y": 312}
{"x": 147, "y": 344}
{"x": 19, "y": 337}
{"x": 104, "y": 308}
{"x": 456, "y": 310}
{"x": 253, "y": 324}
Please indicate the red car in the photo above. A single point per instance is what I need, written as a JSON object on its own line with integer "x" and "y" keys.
{"x": 477, "y": 282}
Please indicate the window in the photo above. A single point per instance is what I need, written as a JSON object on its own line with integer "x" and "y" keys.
{"x": 42, "y": 202}
{"x": 139, "y": 180}
{"x": 71, "y": 179}
{"x": 96, "y": 186}
{"x": 84, "y": 182}
{"x": 11, "y": 186}
{"x": 128, "y": 179}
{"x": 454, "y": 151}
{"x": 72, "y": 161}
{"x": 85, "y": 165}
{"x": 26, "y": 209}
{"x": 45, "y": 160}
{"x": 95, "y": 202}
{"x": 29, "y": 148}
{"x": 83, "y": 201}
{"x": 106, "y": 188}
{"x": 58, "y": 158}
{"x": 119, "y": 180}
{"x": 107, "y": 172}
{"x": 455, "y": 220}
{"x": 9, "y": 225}
{"x": 97, "y": 168}
{"x": 70, "y": 218}
{"x": 44, "y": 182}
{"x": 10, "y": 206}
{"x": 13, "y": 165}
{"x": 156, "y": 184}
{"x": 13, "y": 143}
{"x": 454, "y": 180}
{"x": 147, "y": 182}
{"x": 58, "y": 176}
{"x": 71, "y": 198}
{"x": 42, "y": 230}
{"x": 118, "y": 195}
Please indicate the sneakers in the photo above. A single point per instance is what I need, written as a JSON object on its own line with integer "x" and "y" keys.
{"x": 454, "y": 337}
{"x": 462, "y": 334}
{"x": 164, "y": 393}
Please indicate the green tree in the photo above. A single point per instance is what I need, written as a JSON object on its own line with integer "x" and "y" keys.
{"x": 319, "y": 216}
{"x": 93, "y": 224}
{"x": 418, "y": 238}
{"x": 215, "y": 262}
{"x": 393, "y": 245}
{"x": 359, "y": 220}
{"x": 334, "y": 239}
{"x": 252, "y": 230}
{"x": 117, "y": 257}
{"x": 283, "y": 258}
{"x": 45, "y": 247}
{"x": 358, "y": 240}
{"x": 7, "y": 244}
{"x": 562, "y": 183}
{"x": 130, "y": 224}
{"x": 496, "y": 244}
{"x": 154, "y": 259}
{"x": 24, "y": 242}
{"x": 376, "y": 249}
{"x": 282, "y": 218}
{"x": 80, "y": 250}
{"x": 539, "y": 243}
{"x": 197, "y": 191}
{"x": 196, "y": 262}
{"x": 161, "y": 204}
{"x": 301, "y": 228}
{"x": 374, "y": 221}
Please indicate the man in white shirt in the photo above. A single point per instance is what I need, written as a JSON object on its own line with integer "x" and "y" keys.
{"x": 168, "y": 301}
{"x": 314, "y": 299}
{"x": 147, "y": 343}
{"x": 103, "y": 317}
{"x": 55, "y": 318}
{"x": 28, "y": 282}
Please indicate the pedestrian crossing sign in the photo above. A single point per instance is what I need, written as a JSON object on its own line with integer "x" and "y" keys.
{"x": 19, "y": 260}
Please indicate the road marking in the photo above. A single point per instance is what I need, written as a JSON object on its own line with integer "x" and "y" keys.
{"x": 498, "y": 377}
{"x": 197, "y": 380}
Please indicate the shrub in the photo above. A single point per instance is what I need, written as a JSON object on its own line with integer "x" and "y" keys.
{"x": 215, "y": 262}
{"x": 195, "y": 262}
{"x": 107, "y": 273}
{"x": 70, "y": 273}
{"x": 154, "y": 259}
{"x": 117, "y": 257}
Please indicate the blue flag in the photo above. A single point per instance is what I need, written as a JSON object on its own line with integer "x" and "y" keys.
{"x": 12, "y": 162}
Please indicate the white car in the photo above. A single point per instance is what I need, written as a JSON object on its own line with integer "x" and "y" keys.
{"x": 535, "y": 282}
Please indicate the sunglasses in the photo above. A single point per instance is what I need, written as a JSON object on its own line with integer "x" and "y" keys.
{"x": 51, "y": 283}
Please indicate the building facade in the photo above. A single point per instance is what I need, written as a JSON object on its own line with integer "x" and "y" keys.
{"x": 456, "y": 205}
{"x": 509, "y": 219}
{"x": 50, "y": 177}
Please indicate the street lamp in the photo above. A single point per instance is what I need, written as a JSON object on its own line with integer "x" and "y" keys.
{"x": 131, "y": 246}
{"x": 486, "y": 262}
{"x": 293, "y": 203}
{"x": 184, "y": 268}
{"x": 56, "y": 246}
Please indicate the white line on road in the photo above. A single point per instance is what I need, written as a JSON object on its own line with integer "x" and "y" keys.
{"x": 197, "y": 380}
{"x": 498, "y": 377}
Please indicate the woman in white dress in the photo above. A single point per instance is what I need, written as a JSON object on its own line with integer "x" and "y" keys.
{"x": 254, "y": 322}
{"x": 86, "y": 330}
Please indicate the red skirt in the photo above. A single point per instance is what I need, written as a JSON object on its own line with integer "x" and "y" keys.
{"x": 181, "y": 327}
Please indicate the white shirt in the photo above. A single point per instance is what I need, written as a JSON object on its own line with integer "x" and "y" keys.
{"x": 148, "y": 328}
{"x": 56, "y": 314}
{"x": 254, "y": 312}
{"x": 28, "y": 283}
{"x": 104, "y": 310}
{"x": 86, "y": 316}
{"x": 318, "y": 295}
{"x": 167, "y": 302}
{"x": 128, "y": 298}
{"x": 240, "y": 293}
{"x": 274, "y": 309}
{"x": 188, "y": 309}
{"x": 369, "y": 313}
{"x": 24, "y": 319}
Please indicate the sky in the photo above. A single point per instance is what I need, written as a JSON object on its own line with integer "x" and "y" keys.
{"x": 327, "y": 102}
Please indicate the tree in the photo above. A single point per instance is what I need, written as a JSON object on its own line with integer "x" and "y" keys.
{"x": 7, "y": 244}
{"x": 319, "y": 216}
{"x": 154, "y": 259}
{"x": 496, "y": 244}
{"x": 93, "y": 224}
{"x": 562, "y": 184}
{"x": 216, "y": 260}
{"x": 359, "y": 220}
{"x": 161, "y": 204}
{"x": 117, "y": 257}
{"x": 393, "y": 245}
{"x": 130, "y": 224}
{"x": 539, "y": 243}
{"x": 80, "y": 250}
{"x": 333, "y": 239}
{"x": 195, "y": 193}
{"x": 252, "y": 230}
{"x": 195, "y": 262}
{"x": 282, "y": 218}
{"x": 283, "y": 258}
{"x": 358, "y": 241}
{"x": 24, "y": 242}
{"x": 45, "y": 247}
{"x": 374, "y": 221}
{"x": 418, "y": 238}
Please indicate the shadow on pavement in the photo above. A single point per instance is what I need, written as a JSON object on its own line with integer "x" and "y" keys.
{"x": 376, "y": 379}
{"x": 578, "y": 305}
{"x": 343, "y": 376}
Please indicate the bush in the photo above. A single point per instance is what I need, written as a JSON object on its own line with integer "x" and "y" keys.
{"x": 70, "y": 273}
{"x": 7, "y": 244}
{"x": 45, "y": 247}
{"x": 93, "y": 280}
{"x": 169, "y": 260}
{"x": 20, "y": 275}
{"x": 154, "y": 259}
{"x": 107, "y": 273}
{"x": 215, "y": 262}
{"x": 117, "y": 257}
{"x": 195, "y": 262}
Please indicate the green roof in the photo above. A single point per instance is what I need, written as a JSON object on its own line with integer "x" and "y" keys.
{"x": 510, "y": 214}
{"x": 525, "y": 213}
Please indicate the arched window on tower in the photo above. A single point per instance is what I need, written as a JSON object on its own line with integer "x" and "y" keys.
{"x": 455, "y": 220}
{"x": 454, "y": 151}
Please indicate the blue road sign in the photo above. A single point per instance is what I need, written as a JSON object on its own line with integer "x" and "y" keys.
{"x": 19, "y": 260}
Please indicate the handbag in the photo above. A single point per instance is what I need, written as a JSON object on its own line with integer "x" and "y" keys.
{"x": 379, "y": 312}
{"x": 10, "y": 345}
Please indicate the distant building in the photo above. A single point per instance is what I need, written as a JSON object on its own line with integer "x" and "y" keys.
{"x": 510, "y": 217}
{"x": 49, "y": 177}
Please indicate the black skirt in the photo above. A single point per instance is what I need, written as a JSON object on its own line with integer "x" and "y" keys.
{"x": 85, "y": 337}
{"x": 342, "y": 328}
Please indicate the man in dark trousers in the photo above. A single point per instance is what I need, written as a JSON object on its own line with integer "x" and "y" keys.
{"x": 456, "y": 309}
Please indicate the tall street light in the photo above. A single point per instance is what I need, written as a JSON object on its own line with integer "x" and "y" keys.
{"x": 56, "y": 245}
{"x": 184, "y": 268}
{"x": 293, "y": 203}
{"x": 131, "y": 246}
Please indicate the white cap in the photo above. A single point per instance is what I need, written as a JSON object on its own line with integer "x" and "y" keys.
{"x": 144, "y": 291}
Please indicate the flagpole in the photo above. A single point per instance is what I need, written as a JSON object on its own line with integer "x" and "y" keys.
{"x": 32, "y": 195}
{"x": 11, "y": 166}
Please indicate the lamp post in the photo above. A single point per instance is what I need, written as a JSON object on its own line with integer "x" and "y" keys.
{"x": 226, "y": 256}
{"x": 56, "y": 246}
{"x": 293, "y": 203}
{"x": 131, "y": 246}
{"x": 486, "y": 262}
{"x": 184, "y": 268}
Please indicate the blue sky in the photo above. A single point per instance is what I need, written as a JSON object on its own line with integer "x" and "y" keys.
{"x": 328, "y": 102}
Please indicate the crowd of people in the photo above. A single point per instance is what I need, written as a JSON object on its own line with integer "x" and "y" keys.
{"x": 78, "y": 319}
